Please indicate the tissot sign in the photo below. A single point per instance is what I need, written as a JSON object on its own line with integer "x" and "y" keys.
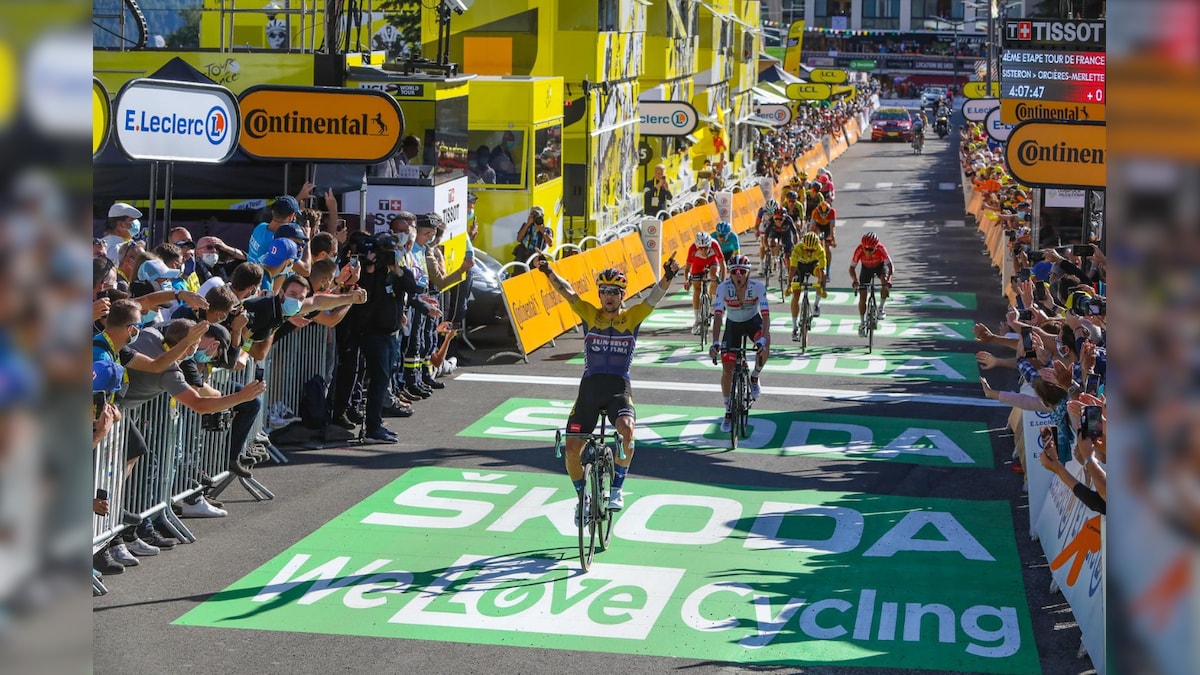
{"x": 163, "y": 120}
{"x": 1027, "y": 33}
{"x": 667, "y": 118}
{"x": 320, "y": 123}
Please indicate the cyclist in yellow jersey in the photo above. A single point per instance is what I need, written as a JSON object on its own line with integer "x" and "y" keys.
{"x": 610, "y": 335}
{"x": 807, "y": 259}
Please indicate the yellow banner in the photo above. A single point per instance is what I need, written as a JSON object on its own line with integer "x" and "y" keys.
{"x": 531, "y": 323}
{"x": 578, "y": 272}
{"x": 791, "y": 55}
{"x": 454, "y": 250}
{"x": 641, "y": 274}
{"x": 745, "y": 208}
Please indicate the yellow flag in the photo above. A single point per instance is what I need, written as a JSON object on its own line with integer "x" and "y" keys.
{"x": 791, "y": 56}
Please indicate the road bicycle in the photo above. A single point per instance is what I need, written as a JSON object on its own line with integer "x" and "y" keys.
{"x": 800, "y": 332}
{"x": 740, "y": 400}
{"x": 871, "y": 317}
{"x": 706, "y": 306}
{"x": 775, "y": 266}
{"x": 595, "y": 520}
{"x": 918, "y": 143}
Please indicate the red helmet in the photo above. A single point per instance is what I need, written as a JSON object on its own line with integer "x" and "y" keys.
{"x": 870, "y": 240}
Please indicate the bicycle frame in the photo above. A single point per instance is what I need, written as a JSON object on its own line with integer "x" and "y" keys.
{"x": 596, "y": 458}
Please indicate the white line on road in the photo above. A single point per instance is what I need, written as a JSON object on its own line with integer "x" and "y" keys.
{"x": 912, "y": 186}
{"x": 834, "y": 394}
{"x": 946, "y": 186}
{"x": 956, "y": 223}
{"x": 873, "y": 223}
{"x": 851, "y": 186}
{"x": 883, "y": 186}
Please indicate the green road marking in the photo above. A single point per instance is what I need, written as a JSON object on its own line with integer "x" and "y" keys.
{"x": 740, "y": 575}
{"x": 772, "y": 432}
{"x": 832, "y": 361}
{"x": 833, "y": 324}
{"x": 896, "y": 300}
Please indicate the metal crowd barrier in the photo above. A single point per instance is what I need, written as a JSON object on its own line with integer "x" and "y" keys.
{"x": 183, "y": 458}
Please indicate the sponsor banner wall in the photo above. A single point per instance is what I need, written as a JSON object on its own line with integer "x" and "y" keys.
{"x": 745, "y": 208}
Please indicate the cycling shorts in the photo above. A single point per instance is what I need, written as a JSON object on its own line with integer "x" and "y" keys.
{"x": 752, "y": 330}
{"x": 804, "y": 269}
{"x": 823, "y": 230}
{"x": 868, "y": 273}
{"x": 784, "y": 238}
{"x": 598, "y": 393}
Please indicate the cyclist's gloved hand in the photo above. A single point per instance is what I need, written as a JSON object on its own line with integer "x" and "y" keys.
{"x": 670, "y": 267}
{"x": 713, "y": 351}
{"x": 854, "y": 286}
{"x": 542, "y": 264}
{"x": 760, "y": 344}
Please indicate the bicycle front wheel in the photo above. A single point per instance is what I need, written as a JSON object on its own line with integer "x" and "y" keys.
{"x": 805, "y": 318}
{"x": 737, "y": 400}
{"x": 870, "y": 321}
{"x": 602, "y": 480}
{"x": 587, "y": 523}
{"x": 706, "y": 313}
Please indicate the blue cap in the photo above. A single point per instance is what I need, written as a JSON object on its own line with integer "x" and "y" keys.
{"x": 287, "y": 201}
{"x": 290, "y": 231}
{"x": 282, "y": 250}
{"x": 1041, "y": 271}
{"x": 107, "y": 376}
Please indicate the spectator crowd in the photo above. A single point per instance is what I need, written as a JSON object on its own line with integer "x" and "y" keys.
{"x": 170, "y": 315}
{"x": 777, "y": 148}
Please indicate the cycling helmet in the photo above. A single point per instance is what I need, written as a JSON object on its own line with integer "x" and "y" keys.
{"x": 724, "y": 229}
{"x": 810, "y": 241}
{"x": 612, "y": 277}
{"x": 771, "y": 205}
{"x": 802, "y": 176}
{"x": 870, "y": 239}
{"x": 822, "y": 205}
{"x": 739, "y": 262}
{"x": 703, "y": 240}
{"x": 791, "y": 194}
{"x": 824, "y": 172}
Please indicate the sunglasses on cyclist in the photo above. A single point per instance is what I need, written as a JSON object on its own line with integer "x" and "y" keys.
{"x": 738, "y": 271}
{"x": 868, "y": 248}
{"x": 611, "y": 290}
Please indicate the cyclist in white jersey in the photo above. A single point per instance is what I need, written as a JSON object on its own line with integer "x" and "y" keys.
{"x": 743, "y": 302}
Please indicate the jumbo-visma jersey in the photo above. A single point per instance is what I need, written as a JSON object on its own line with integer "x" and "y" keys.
{"x": 608, "y": 343}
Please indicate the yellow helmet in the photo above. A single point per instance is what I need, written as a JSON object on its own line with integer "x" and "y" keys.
{"x": 612, "y": 277}
{"x": 810, "y": 241}
{"x": 803, "y": 175}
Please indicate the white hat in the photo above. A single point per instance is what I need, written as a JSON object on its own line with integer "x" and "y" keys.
{"x": 123, "y": 210}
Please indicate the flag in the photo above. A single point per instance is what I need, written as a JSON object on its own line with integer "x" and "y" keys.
{"x": 791, "y": 56}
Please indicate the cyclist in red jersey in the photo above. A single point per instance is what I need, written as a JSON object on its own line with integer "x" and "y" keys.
{"x": 702, "y": 256}
{"x": 875, "y": 263}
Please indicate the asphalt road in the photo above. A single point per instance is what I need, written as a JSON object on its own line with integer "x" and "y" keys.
{"x": 923, "y": 377}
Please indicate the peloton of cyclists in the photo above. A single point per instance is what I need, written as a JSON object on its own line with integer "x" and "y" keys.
{"x": 876, "y": 263}
{"x": 743, "y": 302}
{"x": 703, "y": 255}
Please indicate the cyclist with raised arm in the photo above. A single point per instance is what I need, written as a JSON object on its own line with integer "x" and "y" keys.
{"x": 609, "y": 337}
{"x": 875, "y": 263}
{"x": 807, "y": 259}
{"x": 727, "y": 240}
{"x": 745, "y": 300}
{"x": 702, "y": 257}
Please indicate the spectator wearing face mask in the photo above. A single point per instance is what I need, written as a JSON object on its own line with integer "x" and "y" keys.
{"x": 277, "y": 264}
{"x": 215, "y": 258}
{"x": 122, "y": 226}
{"x": 267, "y": 313}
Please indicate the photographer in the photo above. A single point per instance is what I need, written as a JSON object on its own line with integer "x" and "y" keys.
{"x": 656, "y": 193}
{"x": 534, "y": 236}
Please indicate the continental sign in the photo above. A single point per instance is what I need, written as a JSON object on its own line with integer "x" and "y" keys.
{"x": 805, "y": 91}
{"x": 1015, "y": 111}
{"x": 828, "y": 75}
{"x": 1058, "y": 155}
{"x": 101, "y": 117}
{"x": 980, "y": 90}
{"x": 320, "y": 124}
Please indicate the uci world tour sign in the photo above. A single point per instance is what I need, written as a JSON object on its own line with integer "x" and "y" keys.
{"x": 667, "y": 118}
{"x": 168, "y": 121}
{"x": 315, "y": 124}
{"x": 1057, "y": 155}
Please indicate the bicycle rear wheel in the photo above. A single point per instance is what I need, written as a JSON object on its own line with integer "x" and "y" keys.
{"x": 805, "y": 318}
{"x": 782, "y": 274}
{"x": 706, "y": 313}
{"x": 602, "y": 479}
{"x": 587, "y": 523}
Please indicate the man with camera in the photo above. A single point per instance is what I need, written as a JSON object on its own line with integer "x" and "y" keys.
{"x": 656, "y": 195}
{"x": 534, "y": 236}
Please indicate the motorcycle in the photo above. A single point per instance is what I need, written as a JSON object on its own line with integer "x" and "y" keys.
{"x": 942, "y": 126}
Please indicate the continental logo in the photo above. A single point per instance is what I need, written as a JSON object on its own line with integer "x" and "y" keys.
{"x": 259, "y": 123}
{"x": 1017, "y": 111}
{"x": 307, "y": 124}
{"x": 581, "y": 286}
{"x": 1056, "y": 154}
{"x": 551, "y": 299}
{"x": 525, "y": 311}
{"x": 639, "y": 259}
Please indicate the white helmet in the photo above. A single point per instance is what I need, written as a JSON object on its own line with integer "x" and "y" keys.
{"x": 703, "y": 240}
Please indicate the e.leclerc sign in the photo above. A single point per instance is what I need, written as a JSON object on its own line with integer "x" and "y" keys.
{"x": 774, "y": 113}
{"x": 320, "y": 123}
{"x": 1058, "y": 155}
{"x": 667, "y": 118}
{"x": 977, "y": 109}
{"x": 168, "y": 121}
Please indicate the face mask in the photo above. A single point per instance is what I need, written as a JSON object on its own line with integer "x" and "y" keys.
{"x": 402, "y": 239}
{"x": 210, "y": 259}
{"x": 509, "y": 144}
{"x": 201, "y": 357}
{"x": 398, "y": 259}
{"x": 149, "y": 317}
{"x": 291, "y": 306}
{"x": 136, "y": 332}
{"x": 1063, "y": 351}
{"x": 135, "y": 228}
